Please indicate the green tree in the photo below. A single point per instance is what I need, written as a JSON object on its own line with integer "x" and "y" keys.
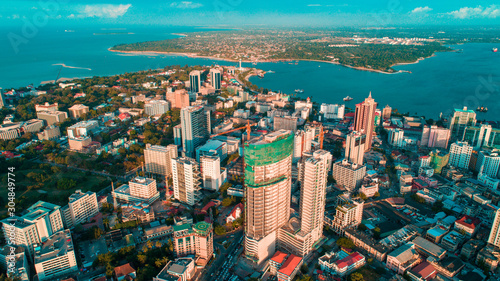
{"x": 345, "y": 242}
{"x": 356, "y": 276}
{"x": 220, "y": 230}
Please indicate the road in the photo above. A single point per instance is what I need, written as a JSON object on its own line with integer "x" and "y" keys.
{"x": 219, "y": 269}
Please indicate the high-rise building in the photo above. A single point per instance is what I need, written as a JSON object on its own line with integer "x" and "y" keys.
{"x": 396, "y": 137}
{"x": 483, "y": 135}
{"x": 302, "y": 143}
{"x": 285, "y": 123}
{"x": 178, "y": 135}
{"x": 195, "y": 81}
{"x": 178, "y": 99}
{"x": 194, "y": 239}
{"x": 36, "y": 226}
{"x": 347, "y": 174}
{"x": 81, "y": 207}
{"x": 195, "y": 126}
{"x": 386, "y": 112}
{"x": 158, "y": 159}
{"x": 459, "y": 120}
{"x": 143, "y": 188}
{"x": 435, "y": 136}
{"x": 268, "y": 175}
{"x": 55, "y": 257}
{"x": 460, "y": 153}
{"x": 349, "y": 213}
{"x": 211, "y": 171}
{"x": 364, "y": 119}
{"x": 215, "y": 77}
{"x": 187, "y": 180}
{"x": 355, "y": 147}
{"x": 488, "y": 163}
{"x": 156, "y": 107}
{"x": 332, "y": 111}
{"x": 50, "y": 133}
{"x": 298, "y": 237}
{"x": 494, "y": 238}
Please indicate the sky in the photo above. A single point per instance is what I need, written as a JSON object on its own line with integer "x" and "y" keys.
{"x": 320, "y": 13}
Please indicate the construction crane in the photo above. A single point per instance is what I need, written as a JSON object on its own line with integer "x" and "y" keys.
{"x": 321, "y": 136}
{"x": 248, "y": 127}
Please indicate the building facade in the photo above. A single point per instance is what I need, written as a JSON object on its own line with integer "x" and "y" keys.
{"x": 186, "y": 180}
{"x": 158, "y": 159}
{"x": 364, "y": 119}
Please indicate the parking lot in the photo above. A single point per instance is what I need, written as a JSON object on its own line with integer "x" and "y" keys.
{"x": 90, "y": 250}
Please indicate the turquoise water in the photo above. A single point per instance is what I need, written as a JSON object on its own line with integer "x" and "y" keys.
{"x": 436, "y": 85}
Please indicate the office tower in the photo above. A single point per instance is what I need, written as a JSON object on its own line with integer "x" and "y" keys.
{"x": 82, "y": 128}
{"x": 178, "y": 99}
{"x": 364, "y": 119}
{"x": 435, "y": 136}
{"x": 484, "y": 135}
{"x": 52, "y": 117}
{"x": 285, "y": 123}
{"x": 268, "y": 175}
{"x": 215, "y": 77}
{"x": 81, "y": 207}
{"x": 386, "y": 112}
{"x": 187, "y": 180}
{"x": 349, "y": 213}
{"x": 145, "y": 188}
{"x": 158, "y": 159}
{"x": 348, "y": 175}
{"x": 494, "y": 238}
{"x": 77, "y": 110}
{"x": 488, "y": 163}
{"x": 55, "y": 257}
{"x": 302, "y": 143}
{"x": 211, "y": 172}
{"x": 355, "y": 147}
{"x": 195, "y": 81}
{"x": 195, "y": 126}
{"x": 396, "y": 137}
{"x": 156, "y": 107}
{"x": 460, "y": 153}
{"x": 459, "y": 120}
{"x": 211, "y": 146}
{"x": 178, "y": 135}
{"x": 332, "y": 111}
{"x": 298, "y": 237}
{"x": 194, "y": 239}
{"x": 37, "y": 225}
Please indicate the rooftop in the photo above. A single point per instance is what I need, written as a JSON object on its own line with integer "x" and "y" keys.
{"x": 290, "y": 264}
{"x": 279, "y": 257}
{"x": 469, "y": 222}
{"x": 350, "y": 260}
{"x": 424, "y": 270}
{"x": 57, "y": 245}
{"x": 428, "y": 246}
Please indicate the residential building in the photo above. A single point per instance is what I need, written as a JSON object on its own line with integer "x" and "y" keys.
{"x": 55, "y": 257}
{"x": 268, "y": 175}
{"x": 186, "y": 180}
{"x": 290, "y": 268}
{"x": 78, "y": 110}
{"x": 467, "y": 225}
{"x": 215, "y": 78}
{"x": 348, "y": 175}
{"x": 182, "y": 269}
{"x": 52, "y": 117}
{"x": 396, "y": 137}
{"x": 46, "y": 107}
{"x": 50, "y": 133}
{"x": 211, "y": 172}
{"x": 490, "y": 256}
{"x": 277, "y": 260}
{"x": 364, "y": 119}
{"x": 81, "y": 207}
{"x": 156, "y": 107}
{"x": 14, "y": 261}
{"x": 82, "y": 128}
{"x": 178, "y": 135}
{"x": 460, "y": 153}
{"x": 213, "y": 146}
{"x": 386, "y": 112}
{"x": 348, "y": 213}
{"x": 470, "y": 248}
{"x": 178, "y": 99}
{"x": 194, "y": 239}
{"x": 332, "y": 111}
{"x": 195, "y": 126}
{"x": 459, "y": 120}
{"x": 481, "y": 136}
{"x": 403, "y": 258}
{"x": 422, "y": 272}
{"x": 494, "y": 238}
{"x": 341, "y": 263}
{"x": 285, "y": 123}
{"x": 434, "y": 136}
{"x": 137, "y": 190}
{"x": 428, "y": 248}
{"x": 488, "y": 163}
{"x": 355, "y": 147}
{"x": 302, "y": 143}
{"x": 125, "y": 272}
{"x": 452, "y": 241}
{"x": 195, "y": 81}
{"x": 158, "y": 159}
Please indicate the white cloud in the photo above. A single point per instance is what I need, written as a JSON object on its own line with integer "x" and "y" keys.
{"x": 105, "y": 10}
{"x": 421, "y": 10}
{"x": 186, "y": 5}
{"x": 478, "y": 12}
{"x": 314, "y": 5}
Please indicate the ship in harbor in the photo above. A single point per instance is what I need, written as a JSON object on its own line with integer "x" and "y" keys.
{"x": 348, "y": 98}
{"x": 482, "y": 109}
{"x": 299, "y": 91}
{"x": 495, "y": 50}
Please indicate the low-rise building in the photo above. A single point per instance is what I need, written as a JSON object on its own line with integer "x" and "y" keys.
{"x": 422, "y": 272}
{"x": 403, "y": 258}
{"x": 467, "y": 225}
{"x": 342, "y": 263}
{"x": 125, "y": 272}
{"x": 289, "y": 269}
{"x": 490, "y": 256}
{"x": 428, "y": 248}
{"x": 182, "y": 269}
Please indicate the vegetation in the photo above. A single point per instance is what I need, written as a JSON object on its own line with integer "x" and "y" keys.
{"x": 345, "y": 242}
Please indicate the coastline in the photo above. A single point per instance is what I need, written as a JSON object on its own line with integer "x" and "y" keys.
{"x": 195, "y": 55}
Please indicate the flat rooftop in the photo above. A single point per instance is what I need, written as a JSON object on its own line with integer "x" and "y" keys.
{"x": 58, "y": 244}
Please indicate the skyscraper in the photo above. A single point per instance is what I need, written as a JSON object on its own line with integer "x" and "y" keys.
{"x": 488, "y": 163}
{"x": 268, "y": 175}
{"x": 355, "y": 147}
{"x": 187, "y": 180}
{"x": 435, "y": 136}
{"x": 386, "y": 112}
{"x": 364, "y": 119}
{"x": 459, "y": 120}
{"x": 215, "y": 77}
{"x": 302, "y": 143}
{"x": 195, "y": 127}
{"x": 494, "y": 238}
{"x": 460, "y": 153}
{"x": 158, "y": 159}
{"x": 195, "y": 81}
{"x": 396, "y": 137}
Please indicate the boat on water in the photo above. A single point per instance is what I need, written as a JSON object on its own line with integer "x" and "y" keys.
{"x": 261, "y": 75}
{"x": 270, "y": 71}
{"x": 348, "y": 98}
{"x": 299, "y": 91}
{"x": 482, "y": 109}
{"x": 495, "y": 50}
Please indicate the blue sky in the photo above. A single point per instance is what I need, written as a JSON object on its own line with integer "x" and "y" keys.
{"x": 255, "y": 12}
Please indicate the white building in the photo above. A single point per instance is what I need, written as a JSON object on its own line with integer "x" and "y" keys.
{"x": 55, "y": 257}
{"x": 349, "y": 213}
{"x": 332, "y": 111}
{"x": 488, "y": 163}
{"x": 302, "y": 143}
{"x": 81, "y": 207}
{"x": 347, "y": 174}
{"x": 143, "y": 187}
{"x": 156, "y": 107}
{"x": 82, "y": 128}
{"x": 211, "y": 172}
{"x": 396, "y": 137}
{"x": 195, "y": 126}
{"x": 158, "y": 159}
{"x": 187, "y": 180}
{"x": 460, "y": 153}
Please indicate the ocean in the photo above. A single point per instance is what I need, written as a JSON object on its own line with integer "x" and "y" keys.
{"x": 435, "y": 85}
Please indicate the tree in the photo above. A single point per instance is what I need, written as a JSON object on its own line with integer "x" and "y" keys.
{"x": 377, "y": 194}
{"x": 220, "y": 230}
{"x": 356, "y": 276}
{"x": 363, "y": 196}
{"x": 345, "y": 242}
